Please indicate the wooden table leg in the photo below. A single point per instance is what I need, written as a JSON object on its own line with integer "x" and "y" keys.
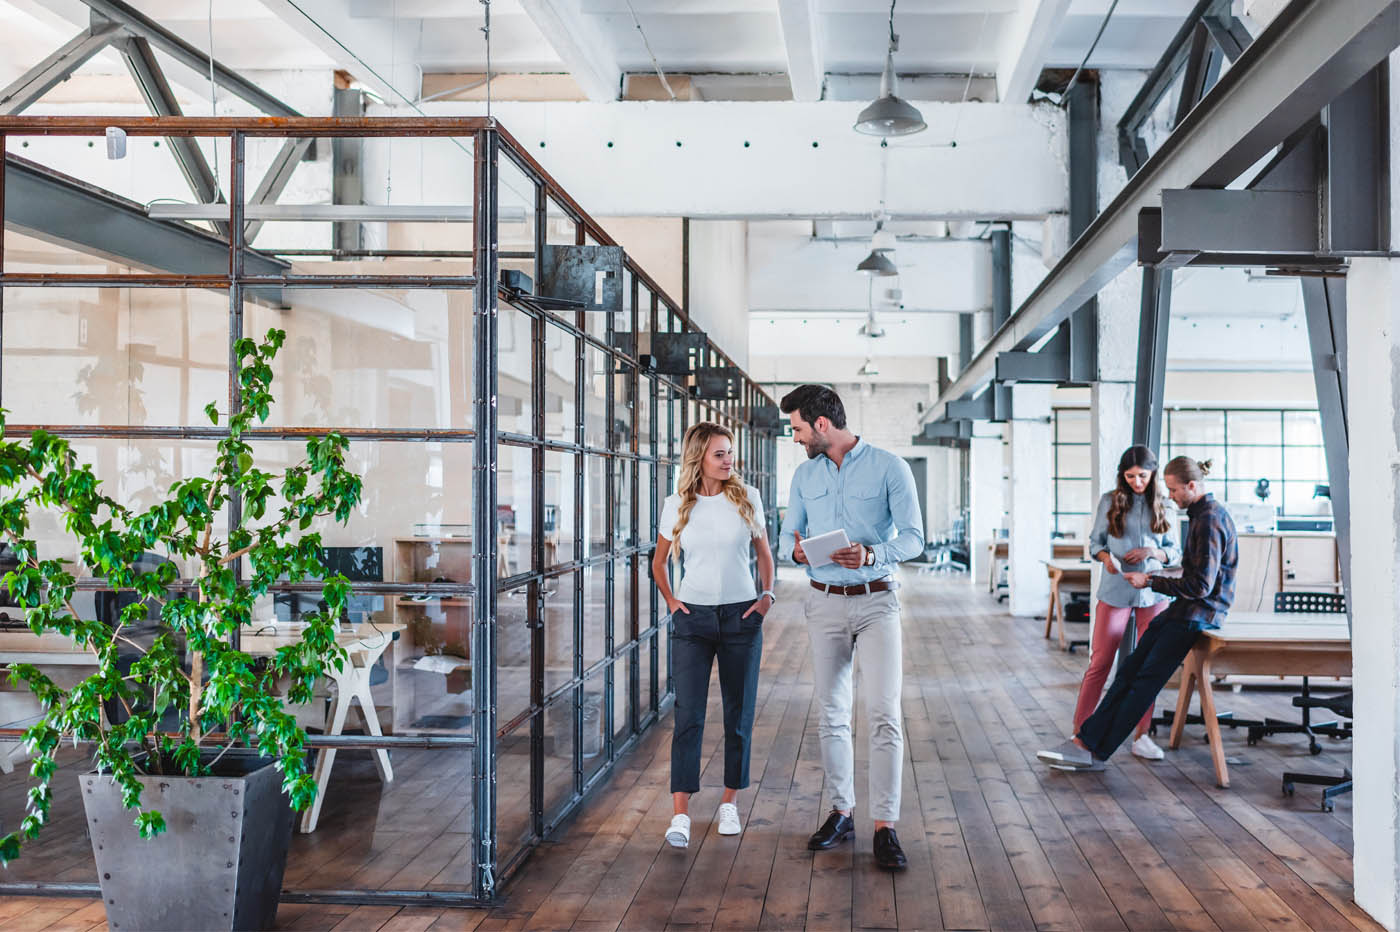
{"x": 1190, "y": 672}
{"x": 992, "y": 567}
{"x": 1212, "y": 723}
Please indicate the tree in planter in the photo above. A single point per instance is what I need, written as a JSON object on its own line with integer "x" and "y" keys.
{"x": 225, "y": 697}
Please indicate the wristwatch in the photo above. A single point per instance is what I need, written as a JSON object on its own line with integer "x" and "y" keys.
{"x": 769, "y": 593}
{"x": 869, "y": 556}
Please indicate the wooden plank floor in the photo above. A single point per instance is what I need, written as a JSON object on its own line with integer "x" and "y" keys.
{"x": 995, "y": 840}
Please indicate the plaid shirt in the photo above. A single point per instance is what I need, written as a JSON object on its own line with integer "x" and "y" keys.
{"x": 1206, "y": 589}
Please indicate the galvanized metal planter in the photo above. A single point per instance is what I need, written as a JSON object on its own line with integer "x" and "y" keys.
{"x": 219, "y": 863}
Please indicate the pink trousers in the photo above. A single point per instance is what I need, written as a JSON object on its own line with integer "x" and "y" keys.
{"x": 1110, "y": 622}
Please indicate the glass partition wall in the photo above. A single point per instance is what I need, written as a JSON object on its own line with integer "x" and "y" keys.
{"x": 514, "y": 460}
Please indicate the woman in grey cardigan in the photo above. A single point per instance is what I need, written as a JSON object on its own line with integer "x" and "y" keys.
{"x": 1132, "y": 534}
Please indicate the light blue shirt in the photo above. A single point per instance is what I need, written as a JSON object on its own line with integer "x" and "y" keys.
{"x": 872, "y": 496}
{"x": 1137, "y": 532}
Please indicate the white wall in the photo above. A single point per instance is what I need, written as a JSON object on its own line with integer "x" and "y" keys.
{"x": 718, "y": 301}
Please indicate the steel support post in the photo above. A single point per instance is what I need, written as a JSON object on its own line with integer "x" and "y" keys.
{"x": 347, "y": 182}
{"x": 484, "y": 455}
{"x": 965, "y": 322}
{"x": 1001, "y": 293}
{"x": 1325, "y": 305}
{"x": 1152, "y": 356}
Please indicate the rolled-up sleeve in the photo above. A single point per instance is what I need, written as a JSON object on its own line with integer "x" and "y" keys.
{"x": 794, "y": 521}
{"x": 906, "y": 515}
{"x": 1098, "y": 536}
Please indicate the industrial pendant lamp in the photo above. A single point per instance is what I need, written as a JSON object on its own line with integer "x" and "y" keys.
{"x": 890, "y": 116}
{"x": 877, "y": 263}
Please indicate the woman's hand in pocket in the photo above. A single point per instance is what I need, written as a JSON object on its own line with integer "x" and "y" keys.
{"x": 676, "y": 605}
{"x": 761, "y": 607}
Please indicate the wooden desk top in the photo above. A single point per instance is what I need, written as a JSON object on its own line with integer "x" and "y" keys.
{"x": 53, "y": 648}
{"x": 1068, "y": 565}
{"x": 1283, "y": 628}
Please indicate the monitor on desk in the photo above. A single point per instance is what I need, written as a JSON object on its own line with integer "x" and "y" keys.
{"x": 357, "y": 564}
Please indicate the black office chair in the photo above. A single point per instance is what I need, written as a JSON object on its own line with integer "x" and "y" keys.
{"x": 107, "y": 608}
{"x": 1337, "y": 703}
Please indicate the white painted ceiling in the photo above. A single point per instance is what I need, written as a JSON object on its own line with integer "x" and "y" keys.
{"x": 727, "y": 36}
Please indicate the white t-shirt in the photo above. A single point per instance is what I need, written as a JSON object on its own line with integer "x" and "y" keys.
{"x": 715, "y": 548}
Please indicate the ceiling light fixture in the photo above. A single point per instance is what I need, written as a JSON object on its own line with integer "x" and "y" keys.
{"x": 869, "y": 369}
{"x": 888, "y": 115}
{"x": 878, "y": 263}
{"x": 871, "y": 328}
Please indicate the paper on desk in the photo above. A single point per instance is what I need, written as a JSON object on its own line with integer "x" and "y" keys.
{"x": 440, "y": 663}
{"x": 820, "y": 548}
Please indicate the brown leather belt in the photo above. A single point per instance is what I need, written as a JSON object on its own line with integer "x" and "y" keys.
{"x": 875, "y": 585}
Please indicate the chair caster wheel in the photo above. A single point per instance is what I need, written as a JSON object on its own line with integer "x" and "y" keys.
{"x": 1314, "y": 748}
{"x": 1288, "y": 789}
{"x": 1327, "y": 805}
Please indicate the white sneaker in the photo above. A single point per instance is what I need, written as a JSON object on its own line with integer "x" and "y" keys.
{"x": 728, "y": 819}
{"x": 1147, "y": 749}
{"x": 678, "y": 835}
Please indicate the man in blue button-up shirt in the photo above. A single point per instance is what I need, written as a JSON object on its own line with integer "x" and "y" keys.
{"x": 870, "y": 493}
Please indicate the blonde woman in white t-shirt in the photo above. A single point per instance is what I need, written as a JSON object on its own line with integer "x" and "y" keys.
{"x": 716, "y": 613}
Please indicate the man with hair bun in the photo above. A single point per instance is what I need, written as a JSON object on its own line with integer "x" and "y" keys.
{"x": 1202, "y": 597}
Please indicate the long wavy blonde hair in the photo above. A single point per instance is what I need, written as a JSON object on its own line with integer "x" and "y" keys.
{"x": 697, "y": 441}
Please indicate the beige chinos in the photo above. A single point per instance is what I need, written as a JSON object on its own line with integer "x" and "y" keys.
{"x": 842, "y": 628}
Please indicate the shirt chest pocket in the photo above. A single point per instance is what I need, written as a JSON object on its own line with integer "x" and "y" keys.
{"x": 820, "y": 505}
{"x": 866, "y": 502}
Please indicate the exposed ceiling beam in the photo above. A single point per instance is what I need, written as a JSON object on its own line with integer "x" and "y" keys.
{"x": 39, "y": 80}
{"x": 800, "y": 24}
{"x": 1309, "y": 55}
{"x": 580, "y": 44}
{"x": 1027, "y": 44}
{"x": 360, "y": 46}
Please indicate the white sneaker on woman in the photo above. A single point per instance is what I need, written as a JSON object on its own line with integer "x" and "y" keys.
{"x": 728, "y": 819}
{"x": 1147, "y": 749}
{"x": 678, "y": 835}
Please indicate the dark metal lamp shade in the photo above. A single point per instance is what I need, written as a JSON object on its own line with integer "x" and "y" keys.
{"x": 877, "y": 263}
{"x": 890, "y": 116}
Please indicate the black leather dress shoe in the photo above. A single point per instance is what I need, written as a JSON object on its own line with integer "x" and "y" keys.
{"x": 888, "y": 854}
{"x": 836, "y": 829}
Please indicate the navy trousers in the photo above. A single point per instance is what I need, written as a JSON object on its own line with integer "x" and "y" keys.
{"x": 709, "y": 633}
{"x": 1163, "y": 646}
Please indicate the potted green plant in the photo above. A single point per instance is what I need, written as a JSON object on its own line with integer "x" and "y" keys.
{"x": 187, "y": 731}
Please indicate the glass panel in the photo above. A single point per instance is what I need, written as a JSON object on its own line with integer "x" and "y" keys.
{"x": 559, "y": 644}
{"x": 513, "y": 637}
{"x": 512, "y": 790}
{"x": 595, "y": 725}
{"x": 1254, "y": 427}
{"x": 1071, "y": 425}
{"x": 644, "y": 649}
{"x": 622, "y": 601}
{"x": 624, "y": 401}
{"x": 115, "y": 356}
{"x": 559, "y": 544}
{"x": 1072, "y": 495}
{"x": 1243, "y": 491}
{"x": 622, "y": 701}
{"x": 361, "y": 358}
{"x": 432, "y": 177}
{"x": 595, "y": 614}
{"x": 1302, "y": 427}
{"x": 1072, "y": 462}
{"x": 1256, "y": 463}
{"x": 1195, "y": 428}
{"x": 1198, "y": 452}
{"x": 646, "y": 394}
{"x": 646, "y": 504}
{"x": 598, "y": 368}
{"x": 515, "y": 227}
{"x": 623, "y": 470}
{"x": 1299, "y": 498}
{"x": 561, "y": 376}
{"x": 516, "y": 405}
{"x": 595, "y": 504}
{"x": 514, "y": 520}
{"x": 1306, "y": 463}
{"x": 558, "y": 754}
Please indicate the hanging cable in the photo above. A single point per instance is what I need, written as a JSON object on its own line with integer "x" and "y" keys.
{"x": 213, "y": 97}
{"x": 654, "y": 63}
{"x": 967, "y": 85}
{"x": 486, "y": 31}
{"x": 1064, "y": 98}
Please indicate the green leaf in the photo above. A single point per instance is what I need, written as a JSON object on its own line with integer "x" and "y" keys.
{"x": 212, "y": 409}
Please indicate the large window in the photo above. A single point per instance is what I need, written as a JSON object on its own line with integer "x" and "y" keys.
{"x": 1257, "y": 455}
{"x": 1072, "y": 485}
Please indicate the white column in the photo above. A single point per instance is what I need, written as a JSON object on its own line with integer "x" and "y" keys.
{"x": 1373, "y": 398}
{"x": 987, "y": 508}
{"x": 1030, "y": 498}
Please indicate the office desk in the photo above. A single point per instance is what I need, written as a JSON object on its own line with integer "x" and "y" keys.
{"x": 364, "y": 644}
{"x": 1065, "y": 572}
{"x": 1282, "y": 644}
{"x": 1001, "y": 549}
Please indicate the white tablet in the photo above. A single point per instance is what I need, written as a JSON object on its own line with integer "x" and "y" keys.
{"x": 819, "y": 549}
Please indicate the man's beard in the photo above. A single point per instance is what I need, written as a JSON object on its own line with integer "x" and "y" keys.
{"x": 817, "y": 447}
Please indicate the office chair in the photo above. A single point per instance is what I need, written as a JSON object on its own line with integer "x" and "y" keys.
{"x": 1338, "y": 704}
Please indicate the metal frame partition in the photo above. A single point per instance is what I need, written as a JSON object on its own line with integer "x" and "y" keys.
{"x": 580, "y": 605}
